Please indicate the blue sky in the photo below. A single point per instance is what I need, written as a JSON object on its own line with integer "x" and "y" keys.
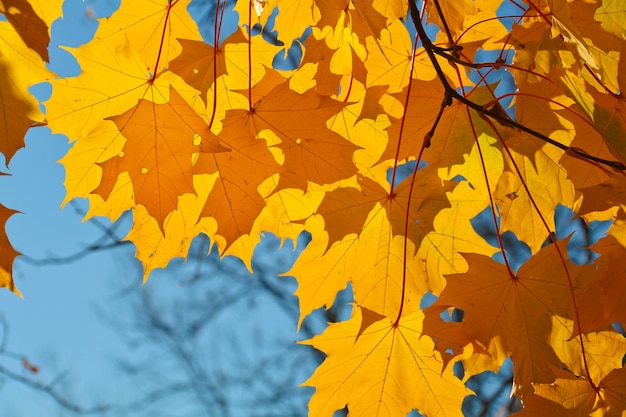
{"x": 54, "y": 326}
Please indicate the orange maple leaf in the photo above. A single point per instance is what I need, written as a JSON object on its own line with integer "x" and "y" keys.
{"x": 517, "y": 307}
{"x": 158, "y": 153}
{"x": 235, "y": 201}
{"x": 201, "y": 64}
{"x": 570, "y": 396}
{"x": 7, "y": 253}
{"x": 316, "y": 52}
{"x": 16, "y": 117}
{"x": 312, "y": 151}
{"x": 602, "y": 301}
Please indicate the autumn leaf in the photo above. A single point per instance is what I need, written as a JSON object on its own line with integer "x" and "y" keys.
{"x": 296, "y": 120}
{"x": 158, "y": 152}
{"x": 362, "y": 18}
{"x": 389, "y": 60}
{"x": 20, "y": 67}
{"x": 201, "y": 64}
{"x": 531, "y": 210}
{"x": 611, "y": 15}
{"x": 386, "y": 369}
{"x": 454, "y": 134}
{"x": 520, "y": 306}
{"x": 572, "y": 396}
{"x": 159, "y": 243}
{"x": 454, "y": 13}
{"x": 592, "y": 355}
{"x": 7, "y": 252}
{"x": 235, "y": 200}
{"x": 601, "y": 302}
{"x": 149, "y": 26}
{"x": 322, "y": 269}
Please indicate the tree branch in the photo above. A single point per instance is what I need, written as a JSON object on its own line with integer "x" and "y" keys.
{"x": 485, "y": 112}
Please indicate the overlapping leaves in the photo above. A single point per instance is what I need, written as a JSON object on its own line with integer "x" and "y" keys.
{"x": 197, "y": 138}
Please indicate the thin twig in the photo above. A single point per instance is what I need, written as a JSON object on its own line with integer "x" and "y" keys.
{"x": 48, "y": 390}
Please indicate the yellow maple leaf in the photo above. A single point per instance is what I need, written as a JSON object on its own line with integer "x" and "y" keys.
{"x": 612, "y": 15}
{"x": 158, "y": 244}
{"x": 603, "y": 350}
{"x": 322, "y": 270}
{"x": 385, "y": 369}
{"x": 151, "y": 27}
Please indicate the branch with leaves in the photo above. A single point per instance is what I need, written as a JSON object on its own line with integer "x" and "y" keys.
{"x": 417, "y": 168}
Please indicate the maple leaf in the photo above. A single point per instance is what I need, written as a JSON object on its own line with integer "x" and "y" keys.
{"x": 312, "y": 152}
{"x": 480, "y": 31}
{"x": 158, "y": 152}
{"x": 372, "y": 106}
{"x": 450, "y": 139}
{"x": 329, "y": 65}
{"x": 199, "y": 64}
{"x": 532, "y": 210}
{"x": 159, "y": 243}
{"x": 520, "y": 306}
{"x": 452, "y": 232}
{"x": 389, "y": 60}
{"x": 322, "y": 269}
{"x": 149, "y": 27}
{"x": 609, "y": 116}
{"x": 389, "y": 228}
{"x": 611, "y": 16}
{"x": 592, "y": 355}
{"x": 293, "y": 18}
{"x": 384, "y": 369}
{"x": 317, "y": 54}
{"x": 602, "y": 196}
{"x": 601, "y": 302}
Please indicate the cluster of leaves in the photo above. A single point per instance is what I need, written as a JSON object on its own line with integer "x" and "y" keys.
{"x": 199, "y": 138}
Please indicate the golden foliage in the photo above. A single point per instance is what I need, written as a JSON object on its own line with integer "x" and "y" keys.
{"x": 197, "y": 138}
